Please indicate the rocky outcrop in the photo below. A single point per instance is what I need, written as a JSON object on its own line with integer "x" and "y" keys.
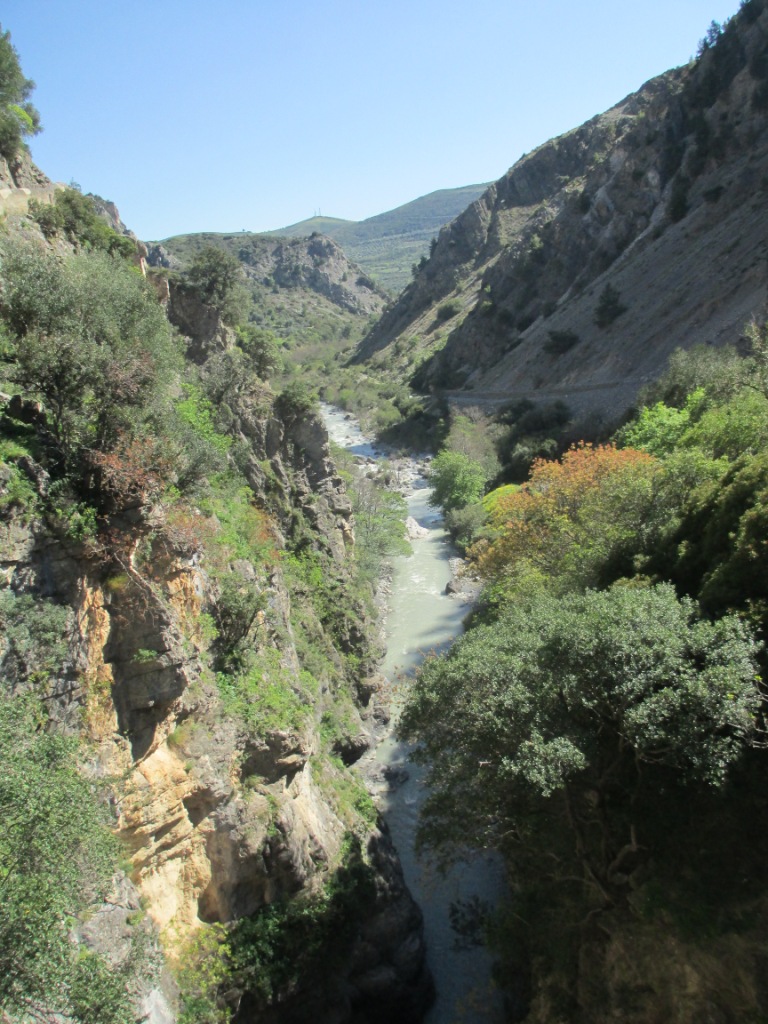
{"x": 200, "y": 323}
{"x": 219, "y": 819}
{"x": 661, "y": 198}
{"x": 20, "y": 172}
{"x": 315, "y": 268}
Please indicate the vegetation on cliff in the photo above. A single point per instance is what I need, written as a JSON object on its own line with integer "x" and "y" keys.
{"x": 189, "y": 525}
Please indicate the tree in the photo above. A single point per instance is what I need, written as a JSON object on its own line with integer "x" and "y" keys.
{"x": 56, "y": 860}
{"x": 217, "y": 277}
{"x": 573, "y": 718}
{"x": 89, "y": 340}
{"x": 609, "y": 306}
{"x": 261, "y": 348}
{"x": 657, "y": 429}
{"x": 457, "y": 480}
{"x": 574, "y": 521}
{"x": 379, "y": 524}
{"x": 18, "y": 118}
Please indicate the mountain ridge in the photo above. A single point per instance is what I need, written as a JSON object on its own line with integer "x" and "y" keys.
{"x": 660, "y": 199}
{"x": 388, "y": 244}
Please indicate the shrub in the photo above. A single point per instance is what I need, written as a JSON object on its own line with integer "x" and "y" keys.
{"x": 448, "y": 310}
{"x": 609, "y": 306}
{"x": 561, "y": 342}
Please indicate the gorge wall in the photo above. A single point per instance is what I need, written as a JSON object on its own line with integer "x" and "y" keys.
{"x": 660, "y": 200}
{"x": 226, "y": 801}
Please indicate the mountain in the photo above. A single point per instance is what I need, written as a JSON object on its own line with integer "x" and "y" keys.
{"x": 389, "y": 244}
{"x": 300, "y": 287}
{"x": 577, "y": 273}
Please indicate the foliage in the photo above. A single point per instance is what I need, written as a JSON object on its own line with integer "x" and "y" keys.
{"x": 574, "y": 520}
{"x": 732, "y": 428}
{"x": 285, "y": 942}
{"x": 609, "y": 306}
{"x": 561, "y": 342}
{"x": 77, "y": 217}
{"x": 263, "y": 957}
{"x": 379, "y": 524}
{"x": 448, "y": 310}
{"x": 605, "y": 693}
{"x": 718, "y": 551}
{"x": 456, "y": 480}
{"x": 90, "y": 341}
{"x": 465, "y": 524}
{"x": 57, "y": 859}
{"x": 297, "y": 401}
{"x": 217, "y": 277}
{"x": 264, "y": 695}
{"x": 659, "y": 428}
{"x": 261, "y": 348}
{"x": 719, "y": 372}
{"x": 33, "y": 635}
{"x": 235, "y": 611}
{"x": 529, "y": 432}
{"x": 18, "y": 118}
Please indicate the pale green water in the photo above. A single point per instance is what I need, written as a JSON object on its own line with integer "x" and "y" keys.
{"x": 421, "y": 618}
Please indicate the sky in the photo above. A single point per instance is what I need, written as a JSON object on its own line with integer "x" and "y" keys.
{"x": 255, "y": 114}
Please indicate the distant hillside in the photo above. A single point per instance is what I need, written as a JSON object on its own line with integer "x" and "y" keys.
{"x": 388, "y": 245}
{"x": 579, "y": 272}
{"x": 305, "y": 290}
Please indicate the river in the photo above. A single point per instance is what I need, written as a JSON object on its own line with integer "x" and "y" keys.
{"x": 421, "y": 618}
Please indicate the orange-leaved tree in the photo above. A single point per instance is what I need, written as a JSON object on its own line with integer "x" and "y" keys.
{"x": 576, "y": 523}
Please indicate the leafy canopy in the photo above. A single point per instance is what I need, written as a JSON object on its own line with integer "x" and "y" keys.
{"x": 571, "y": 519}
{"x": 56, "y": 859}
{"x": 457, "y": 480}
{"x": 578, "y": 694}
{"x": 89, "y": 340}
{"x": 18, "y": 118}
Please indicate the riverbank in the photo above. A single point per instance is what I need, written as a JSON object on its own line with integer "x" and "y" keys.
{"x": 419, "y": 617}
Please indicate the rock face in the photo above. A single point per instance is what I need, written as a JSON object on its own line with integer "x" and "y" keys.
{"x": 315, "y": 267}
{"x": 662, "y": 198}
{"x": 220, "y": 820}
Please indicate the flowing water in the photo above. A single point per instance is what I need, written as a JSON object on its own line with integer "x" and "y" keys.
{"x": 421, "y": 618}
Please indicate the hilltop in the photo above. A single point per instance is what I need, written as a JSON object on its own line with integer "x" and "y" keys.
{"x": 389, "y": 244}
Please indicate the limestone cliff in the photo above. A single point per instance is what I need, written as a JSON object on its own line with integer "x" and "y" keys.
{"x": 226, "y": 803}
{"x": 662, "y": 198}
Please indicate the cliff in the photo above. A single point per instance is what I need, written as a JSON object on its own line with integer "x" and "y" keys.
{"x": 656, "y": 204}
{"x": 220, "y": 670}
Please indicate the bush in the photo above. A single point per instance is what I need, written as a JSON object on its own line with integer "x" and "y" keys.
{"x": 448, "y": 310}
{"x": 593, "y": 702}
{"x": 561, "y": 342}
{"x": 77, "y": 217}
{"x": 609, "y": 306}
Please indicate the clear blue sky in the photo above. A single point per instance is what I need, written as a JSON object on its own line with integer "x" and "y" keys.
{"x": 258, "y": 113}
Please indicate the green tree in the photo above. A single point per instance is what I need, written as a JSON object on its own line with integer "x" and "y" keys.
{"x": 609, "y": 306}
{"x": 76, "y": 216}
{"x": 261, "y": 349}
{"x": 18, "y": 118}
{"x": 657, "y": 429}
{"x": 579, "y": 713}
{"x": 89, "y": 340}
{"x": 57, "y": 857}
{"x": 217, "y": 278}
{"x": 379, "y": 524}
{"x": 457, "y": 480}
